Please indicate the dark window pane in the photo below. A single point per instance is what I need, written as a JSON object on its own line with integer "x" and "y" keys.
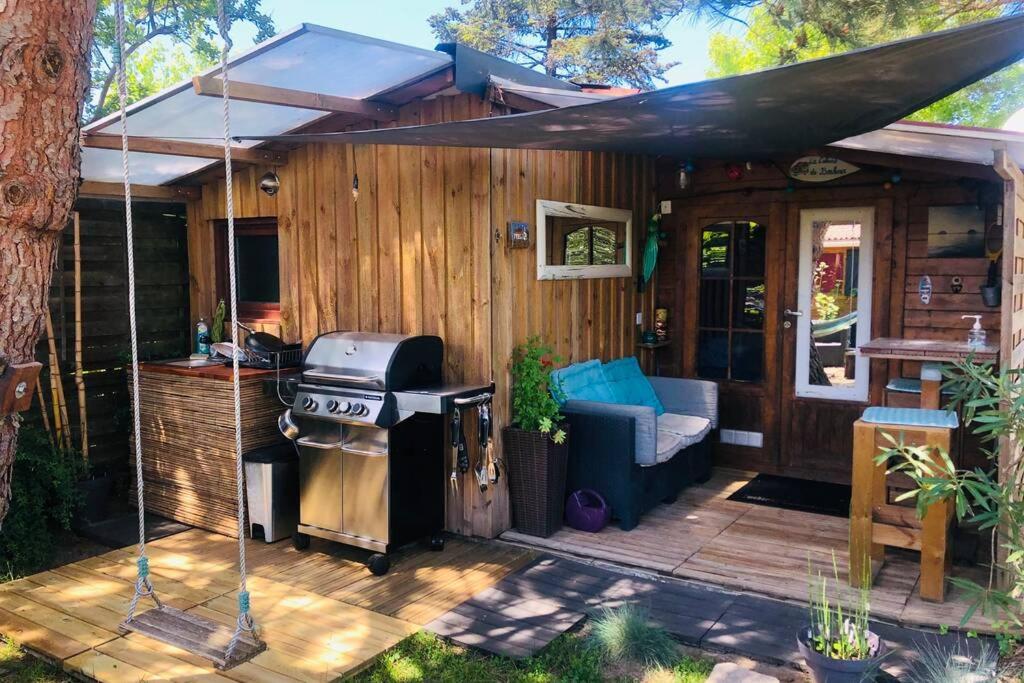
{"x": 747, "y": 356}
{"x": 605, "y": 247}
{"x": 749, "y": 249}
{"x": 256, "y": 263}
{"x": 714, "y": 250}
{"x": 713, "y": 355}
{"x": 748, "y": 304}
{"x": 714, "y": 303}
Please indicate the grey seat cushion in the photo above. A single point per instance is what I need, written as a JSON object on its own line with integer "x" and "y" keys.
{"x": 676, "y": 432}
{"x": 690, "y": 428}
{"x": 668, "y": 445}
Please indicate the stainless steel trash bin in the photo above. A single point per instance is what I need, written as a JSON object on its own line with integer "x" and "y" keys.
{"x": 272, "y": 489}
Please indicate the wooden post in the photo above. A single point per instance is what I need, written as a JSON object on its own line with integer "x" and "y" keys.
{"x": 1011, "y": 332}
{"x": 866, "y": 477}
{"x": 79, "y": 374}
{"x": 936, "y": 548}
{"x": 930, "y": 394}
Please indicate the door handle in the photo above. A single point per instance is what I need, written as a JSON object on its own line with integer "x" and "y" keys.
{"x": 795, "y": 314}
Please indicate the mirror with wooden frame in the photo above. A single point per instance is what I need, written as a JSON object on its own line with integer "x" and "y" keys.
{"x": 577, "y": 241}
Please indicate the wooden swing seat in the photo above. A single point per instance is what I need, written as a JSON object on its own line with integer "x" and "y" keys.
{"x": 194, "y": 634}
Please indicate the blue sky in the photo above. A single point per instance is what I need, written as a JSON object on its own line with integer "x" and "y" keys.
{"x": 405, "y": 21}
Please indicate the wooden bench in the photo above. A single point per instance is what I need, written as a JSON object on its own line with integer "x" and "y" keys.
{"x": 874, "y": 522}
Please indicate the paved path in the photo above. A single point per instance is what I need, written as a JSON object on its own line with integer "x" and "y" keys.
{"x": 530, "y": 607}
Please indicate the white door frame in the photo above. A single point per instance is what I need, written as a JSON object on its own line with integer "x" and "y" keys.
{"x": 865, "y": 215}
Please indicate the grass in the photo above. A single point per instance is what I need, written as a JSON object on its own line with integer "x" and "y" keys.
{"x": 626, "y": 634}
{"x": 17, "y": 666}
{"x": 570, "y": 658}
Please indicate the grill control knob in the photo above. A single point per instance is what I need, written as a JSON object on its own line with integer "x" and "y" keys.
{"x": 358, "y": 409}
{"x": 332, "y": 406}
{"x": 309, "y": 404}
{"x": 344, "y": 407}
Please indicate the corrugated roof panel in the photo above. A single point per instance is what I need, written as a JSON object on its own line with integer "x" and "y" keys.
{"x": 308, "y": 57}
{"x": 104, "y": 165}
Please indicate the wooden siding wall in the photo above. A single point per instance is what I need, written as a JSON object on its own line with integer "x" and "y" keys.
{"x": 811, "y": 437}
{"x": 423, "y": 250}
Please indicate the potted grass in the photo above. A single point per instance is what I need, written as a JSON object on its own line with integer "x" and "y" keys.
{"x": 838, "y": 644}
{"x": 535, "y": 450}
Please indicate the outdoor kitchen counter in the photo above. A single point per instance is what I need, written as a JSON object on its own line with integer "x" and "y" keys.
{"x": 218, "y": 372}
{"x": 188, "y": 439}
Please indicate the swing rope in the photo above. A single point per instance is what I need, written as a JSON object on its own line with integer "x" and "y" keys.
{"x": 143, "y": 583}
{"x": 245, "y": 622}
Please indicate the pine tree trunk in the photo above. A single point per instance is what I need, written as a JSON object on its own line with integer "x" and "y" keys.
{"x": 44, "y": 76}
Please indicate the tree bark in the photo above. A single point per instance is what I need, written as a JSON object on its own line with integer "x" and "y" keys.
{"x": 44, "y": 76}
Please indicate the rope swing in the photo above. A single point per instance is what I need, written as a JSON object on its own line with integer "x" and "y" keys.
{"x": 208, "y": 639}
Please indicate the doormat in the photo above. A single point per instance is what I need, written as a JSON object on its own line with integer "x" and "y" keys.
{"x": 802, "y": 495}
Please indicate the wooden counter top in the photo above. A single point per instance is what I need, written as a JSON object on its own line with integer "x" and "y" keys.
{"x": 927, "y": 350}
{"x": 221, "y": 372}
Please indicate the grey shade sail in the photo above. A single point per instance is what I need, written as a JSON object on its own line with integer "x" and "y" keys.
{"x": 757, "y": 115}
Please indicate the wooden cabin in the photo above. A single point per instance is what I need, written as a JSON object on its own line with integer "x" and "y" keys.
{"x": 417, "y": 239}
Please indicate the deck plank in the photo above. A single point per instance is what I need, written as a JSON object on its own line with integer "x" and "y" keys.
{"x": 705, "y": 537}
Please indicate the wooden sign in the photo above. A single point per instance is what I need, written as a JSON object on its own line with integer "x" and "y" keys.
{"x": 817, "y": 169}
{"x": 16, "y": 387}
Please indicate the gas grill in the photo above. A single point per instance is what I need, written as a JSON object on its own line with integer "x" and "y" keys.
{"x": 369, "y": 421}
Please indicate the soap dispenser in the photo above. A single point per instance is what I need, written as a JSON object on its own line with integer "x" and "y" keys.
{"x": 976, "y": 335}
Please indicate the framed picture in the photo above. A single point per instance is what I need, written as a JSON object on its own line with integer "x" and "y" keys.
{"x": 956, "y": 231}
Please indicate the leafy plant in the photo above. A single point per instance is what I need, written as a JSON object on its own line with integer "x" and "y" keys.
{"x": 217, "y": 325}
{"x": 836, "y": 632}
{"x": 533, "y": 407}
{"x": 992, "y": 405}
{"x": 44, "y": 499}
{"x": 626, "y": 634}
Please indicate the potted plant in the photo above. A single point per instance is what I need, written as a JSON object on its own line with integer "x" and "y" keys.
{"x": 838, "y": 645}
{"x": 536, "y": 454}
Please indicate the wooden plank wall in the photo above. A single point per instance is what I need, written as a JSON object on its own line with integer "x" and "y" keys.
{"x": 423, "y": 250}
{"x": 162, "y": 307}
{"x": 811, "y": 438}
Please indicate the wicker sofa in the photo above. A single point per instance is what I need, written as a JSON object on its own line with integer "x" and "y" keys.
{"x": 637, "y": 446}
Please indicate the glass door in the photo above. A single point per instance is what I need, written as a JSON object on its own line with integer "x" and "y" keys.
{"x": 833, "y": 317}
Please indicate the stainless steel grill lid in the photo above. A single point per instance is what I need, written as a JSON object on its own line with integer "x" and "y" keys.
{"x": 366, "y": 360}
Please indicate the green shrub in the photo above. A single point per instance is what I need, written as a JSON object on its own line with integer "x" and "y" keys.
{"x": 44, "y": 498}
{"x": 625, "y": 634}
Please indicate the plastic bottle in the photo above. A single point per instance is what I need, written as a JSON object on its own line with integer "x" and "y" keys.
{"x": 976, "y": 335}
{"x": 202, "y": 337}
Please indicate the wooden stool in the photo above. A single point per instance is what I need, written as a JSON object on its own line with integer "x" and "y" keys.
{"x": 874, "y": 522}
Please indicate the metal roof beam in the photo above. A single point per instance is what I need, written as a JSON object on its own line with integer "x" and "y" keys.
{"x": 184, "y": 148}
{"x": 302, "y": 99}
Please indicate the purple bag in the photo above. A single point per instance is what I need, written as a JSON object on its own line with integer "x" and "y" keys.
{"x": 586, "y": 510}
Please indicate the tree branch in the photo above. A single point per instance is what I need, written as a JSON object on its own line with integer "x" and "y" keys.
{"x": 112, "y": 70}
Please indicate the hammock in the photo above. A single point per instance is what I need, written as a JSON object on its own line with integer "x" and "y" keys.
{"x": 823, "y": 328}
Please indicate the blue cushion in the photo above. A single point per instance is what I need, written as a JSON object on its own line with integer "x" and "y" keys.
{"x": 911, "y": 417}
{"x": 581, "y": 382}
{"x": 629, "y": 385}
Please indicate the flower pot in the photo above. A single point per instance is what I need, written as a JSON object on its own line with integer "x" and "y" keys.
{"x": 536, "y": 468}
{"x": 827, "y": 670}
{"x": 991, "y": 296}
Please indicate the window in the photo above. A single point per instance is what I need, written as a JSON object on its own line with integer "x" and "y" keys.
{"x": 730, "y": 342}
{"x": 256, "y": 267}
{"x": 593, "y": 245}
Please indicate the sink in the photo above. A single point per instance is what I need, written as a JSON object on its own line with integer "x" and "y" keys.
{"x": 192, "y": 363}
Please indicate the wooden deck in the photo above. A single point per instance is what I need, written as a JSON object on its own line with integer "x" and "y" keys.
{"x": 322, "y": 613}
{"x": 756, "y": 549}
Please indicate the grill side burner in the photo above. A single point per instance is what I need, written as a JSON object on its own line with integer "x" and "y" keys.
{"x": 371, "y": 414}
